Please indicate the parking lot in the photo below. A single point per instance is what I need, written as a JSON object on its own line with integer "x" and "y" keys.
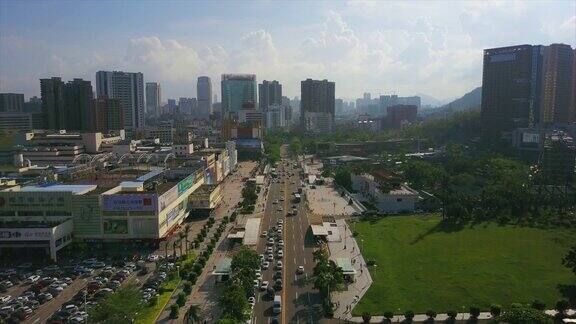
{"x": 65, "y": 293}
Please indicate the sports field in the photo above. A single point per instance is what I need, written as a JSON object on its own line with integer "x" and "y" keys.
{"x": 421, "y": 267}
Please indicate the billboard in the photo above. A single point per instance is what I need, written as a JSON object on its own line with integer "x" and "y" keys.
{"x": 530, "y": 138}
{"x": 186, "y": 184}
{"x": 25, "y": 234}
{"x": 168, "y": 197}
{"x": 130, "y": 202}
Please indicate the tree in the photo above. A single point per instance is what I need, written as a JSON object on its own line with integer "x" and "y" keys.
{"x": 174, "y": 309}
{"x": 366, "y": 317}
{"x": 187, "y": 231}
{"x": 181, "y": 300}
{"x": 562, "y": 306}
{"x": 431, "y": 314}
{"x": 520, "y": 314}
{"x": 193, "y": 314}
{"x": 474, "y": 311}
{"x": 119, "y": 307}
{"x": 174, "y": 245}
{"x": 409, "y": 315}
{"x": 233, "y": 302}
{"x": 569, "y": 260}
{"x": 495, "y": 310}
{"x": 343, "y": 178}
{"x": 187, "y": 287}
{"x": 182, "y": 239}
{"x": 388, "y": 315}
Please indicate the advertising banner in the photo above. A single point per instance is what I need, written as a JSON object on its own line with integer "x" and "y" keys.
{"x": 186, "y": 184}
{"x": 168, "y": 197}
{"x": 130, "y": 202}
{"x": 25, "y": 234}
{"x": 115, "y": 226}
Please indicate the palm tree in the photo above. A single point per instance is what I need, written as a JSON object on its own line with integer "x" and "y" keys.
{"x": 182, "y": 238}
{"x": 174, "y": 245}
{"x": 192, "y": 315}
{"x": 187, "y": 231}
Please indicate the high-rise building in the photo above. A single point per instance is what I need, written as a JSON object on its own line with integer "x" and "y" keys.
{"x": 187, "y": 106}
{"x": 557, "y": 83}
{"x": 238, "y": 92}
{"x": 400, "y": 115}
{"x": 11, "y": 102}
{"x": 558, "y": 159}
{"x": 129, "y": 89}
{"x": 510, "y": 88}
{"x": 269, "y": 93}
{"x": 78, "y": 102}
{"x": 153, "y": 98}
{"x": 317, "y": 105}
{"x": 53, "y": 106}
{"x": 204, "y": 95}
{"x": 109, "y": 114}
{"x": 34, "y": 105}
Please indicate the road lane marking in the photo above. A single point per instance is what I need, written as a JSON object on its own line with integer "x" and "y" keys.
{"x": 304, "y": 261}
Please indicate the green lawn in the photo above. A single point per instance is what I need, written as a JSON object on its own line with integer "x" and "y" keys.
{"x": 149, "y": 314}
{"x": 420, "y": 268}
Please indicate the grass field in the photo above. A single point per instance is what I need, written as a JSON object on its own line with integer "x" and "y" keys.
{"x": 421, "y": 267}
{"x": 150, "y": 313}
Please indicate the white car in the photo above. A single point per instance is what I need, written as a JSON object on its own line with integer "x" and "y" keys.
{"x": 281, "y": 243}
{"x": 280, "y": 227}
{"x": 280, "y": 254}
{"x": 32, "y": 279}
{"x": 5, "y": 298}
{"x": 279, "y": 265}
{"x": 280, "y": 221}
{"x": 300, "y": 270}
{"x": 265, "y": 265}
{"x": 264, "y": 285}
{"x": 256, "y": 283}
{"x": 252, "y": 300}
{"x": 270, "y": 257}
{"x": 153, "y": 258}
{"x": 264, "y": 234}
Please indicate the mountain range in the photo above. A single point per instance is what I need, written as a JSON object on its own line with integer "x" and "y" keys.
{"x": 468, "y": 101}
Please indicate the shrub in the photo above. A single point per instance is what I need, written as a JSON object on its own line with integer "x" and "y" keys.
{"x": 187, "y": 288}
{"x": 561, "y": 306}
{"x": 409, "y": 315}
{"x": 153, "y": 301}
{"x": 388, "y": 315}
{"x": 430, "y": 313}
{"x": 181, "y": 300}
{"x": 174, "y": 311}
{"x": 495, "y": 310}
{"x": 192, "y": 277}
{"x": 452, "y": 313}
{"x": 366, "y": 317}
{"x": 474, "y": 311}
{"x": 536, "y": 304}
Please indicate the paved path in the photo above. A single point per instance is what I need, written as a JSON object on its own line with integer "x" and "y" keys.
{"x": 347, "y": 247}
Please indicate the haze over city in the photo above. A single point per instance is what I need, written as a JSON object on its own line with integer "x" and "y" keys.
{"x": 433, "y": 48}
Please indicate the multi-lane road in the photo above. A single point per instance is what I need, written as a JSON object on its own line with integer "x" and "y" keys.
{"x": 301, "y": 303}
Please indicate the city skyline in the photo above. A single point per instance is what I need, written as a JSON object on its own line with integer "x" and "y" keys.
{"x": 424, "y": 48}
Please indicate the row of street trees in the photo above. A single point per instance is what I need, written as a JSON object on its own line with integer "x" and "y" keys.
{"x": 234, "y": 298}
{"x": 327, "y": 277}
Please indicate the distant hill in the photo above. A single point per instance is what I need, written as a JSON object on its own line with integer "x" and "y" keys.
{"x": 426, "y": 100}
{"x": 468, "y": 101}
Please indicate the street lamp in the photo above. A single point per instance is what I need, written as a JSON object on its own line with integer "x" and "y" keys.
{"x": 178, "y": 271}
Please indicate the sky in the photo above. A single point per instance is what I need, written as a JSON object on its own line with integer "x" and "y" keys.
{"x": 382, "y": 47}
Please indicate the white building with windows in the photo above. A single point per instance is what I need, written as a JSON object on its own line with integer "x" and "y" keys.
{"x": 396, "y": 200}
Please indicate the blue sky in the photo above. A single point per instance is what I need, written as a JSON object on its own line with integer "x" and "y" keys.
{"x": 404, "y": 47}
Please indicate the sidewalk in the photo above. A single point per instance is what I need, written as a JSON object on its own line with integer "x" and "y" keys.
{"x": 348, "y": 248}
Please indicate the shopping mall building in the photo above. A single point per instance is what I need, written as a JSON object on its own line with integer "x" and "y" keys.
{"x": 135, "y": 204}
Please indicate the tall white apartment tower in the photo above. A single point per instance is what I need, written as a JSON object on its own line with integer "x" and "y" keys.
{"x": 129, "y": 89}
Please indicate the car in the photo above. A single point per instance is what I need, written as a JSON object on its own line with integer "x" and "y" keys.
{"x": 279, "y": 232}
{"x": 259, "y": 275}
{"x": 275, "y": 201}
{"x": 265, "y": 265}
{"x": 32, "y": 303}
{"x": 264, "y": 285}
{"x": 280, "y": 209}
{"x": 270, "y": 257}
{"x": 67, "y": 280}
{"x": 71, "y": 308}
{"x": 269, "y": 249}
{"x": 280, "y": 243}
{"x": 282, "y": 199}
{"x": 280, "y": 221}
{"x": 300, "y": 270}
{"x": 280, "y": 227}
{"x": 5, "y": 298}
{"x": 270, "y": 241}
{"x": 279, "y": 265}
{"x": 6, "y": 311}
{"x": 32, "y": 279}
{"x": 252, "y": 300}
{"x": 55, "y": 290}
{"x": 256, "y": 283}
{"x": 44, "y": 297}
{"x": 6, "y": 284}
{"x": 277, "y": 274}
{"x": 264, "y": 234}
{"x": 153, "y": 258}
{"x": 262, "y": 257}
{"x": 278, "y": 284}
{"x": 280, "y": 254}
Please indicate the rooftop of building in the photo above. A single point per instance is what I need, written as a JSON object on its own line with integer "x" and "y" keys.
{"x": 56, "y": 187}
{"x": 205, "y": 189}
{"x": 30, "y": 224}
